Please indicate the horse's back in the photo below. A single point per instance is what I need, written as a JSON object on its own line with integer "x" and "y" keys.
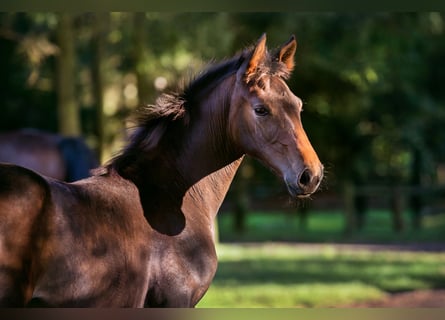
{"x": 93, "y": 253}
{"x": 80, "y": 244}
{"x": 22, "y": 198}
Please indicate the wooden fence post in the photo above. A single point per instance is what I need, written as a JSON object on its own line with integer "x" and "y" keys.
{"x": 397, "y": 209}
{"x": 350, "y": 217}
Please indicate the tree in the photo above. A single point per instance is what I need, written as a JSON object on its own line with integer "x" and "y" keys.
{"x": 139, "y": 55}
{"x": 68, "y": 110}
{"x": 98, "y": 48}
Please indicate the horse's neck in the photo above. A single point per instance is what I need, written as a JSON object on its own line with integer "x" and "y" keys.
{"x": 209, "y": 162}
{"x": 194, "y": 177}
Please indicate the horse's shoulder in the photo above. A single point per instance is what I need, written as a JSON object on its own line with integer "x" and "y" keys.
{"x": 106, "y": 189}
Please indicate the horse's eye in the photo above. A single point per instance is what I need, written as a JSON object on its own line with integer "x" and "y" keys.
{"x": 261, "y": 111}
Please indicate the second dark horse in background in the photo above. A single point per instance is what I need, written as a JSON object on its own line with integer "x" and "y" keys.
{"x": 52, "y": 155}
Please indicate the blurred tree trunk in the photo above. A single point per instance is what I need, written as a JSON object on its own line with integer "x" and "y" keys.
{"x": 98, "y": 46}
{"x": 68, "y": 110}
{"x": 241, "y": 205}
{"x": 360, "y": 205}
{"x": 360, "y": 179}
{"x": 349, "y": 208}
{"x": 397, "y": 210}
{"x": 303, "y": 214}
{"x": 241, "y": 196}
{"x": 139, "y": 52}
{"x": 416, "y": 202}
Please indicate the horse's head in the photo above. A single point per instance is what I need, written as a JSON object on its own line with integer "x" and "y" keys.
{"x": 265, "y": 118}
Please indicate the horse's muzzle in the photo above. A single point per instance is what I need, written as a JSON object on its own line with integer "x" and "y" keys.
{"x": 306, "y": 183}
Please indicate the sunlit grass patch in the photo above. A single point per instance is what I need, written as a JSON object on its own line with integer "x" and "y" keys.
{"x": 289, "y": 296}
{"x": 292, "y": 275}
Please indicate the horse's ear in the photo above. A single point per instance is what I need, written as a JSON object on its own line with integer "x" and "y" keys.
{"x": 286, "y": 53}
{"x": 258, "y": 55}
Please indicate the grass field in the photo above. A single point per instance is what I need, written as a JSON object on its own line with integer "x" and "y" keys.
{"x": 328, "y": 227}
{"x": 255, "y": 270}
{"x": 292, "y": 275}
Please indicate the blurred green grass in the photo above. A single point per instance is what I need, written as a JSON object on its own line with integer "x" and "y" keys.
{"x": 275, "y": 263}
{"x": 328, "y": 227}
{"x": 292, "y": 275}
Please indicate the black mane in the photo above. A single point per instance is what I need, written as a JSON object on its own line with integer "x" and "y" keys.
{"x": 210, "y": 78}
{"x": 174, "y": 106}
{"x": 151, "y": 121}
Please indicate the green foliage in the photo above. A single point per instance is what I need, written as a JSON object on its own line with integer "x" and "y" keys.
{"x": 371, "y": 82}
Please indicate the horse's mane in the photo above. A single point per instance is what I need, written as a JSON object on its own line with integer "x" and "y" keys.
{"x": 174, "y": 106}
{"x": 151, "y": 121}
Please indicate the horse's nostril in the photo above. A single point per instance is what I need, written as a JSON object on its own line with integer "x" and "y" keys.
{"x": 305, "y": 178}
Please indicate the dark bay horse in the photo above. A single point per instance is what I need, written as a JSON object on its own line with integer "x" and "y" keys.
{"x": 140, "y": 231}
{"x": 53, "y": 155}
